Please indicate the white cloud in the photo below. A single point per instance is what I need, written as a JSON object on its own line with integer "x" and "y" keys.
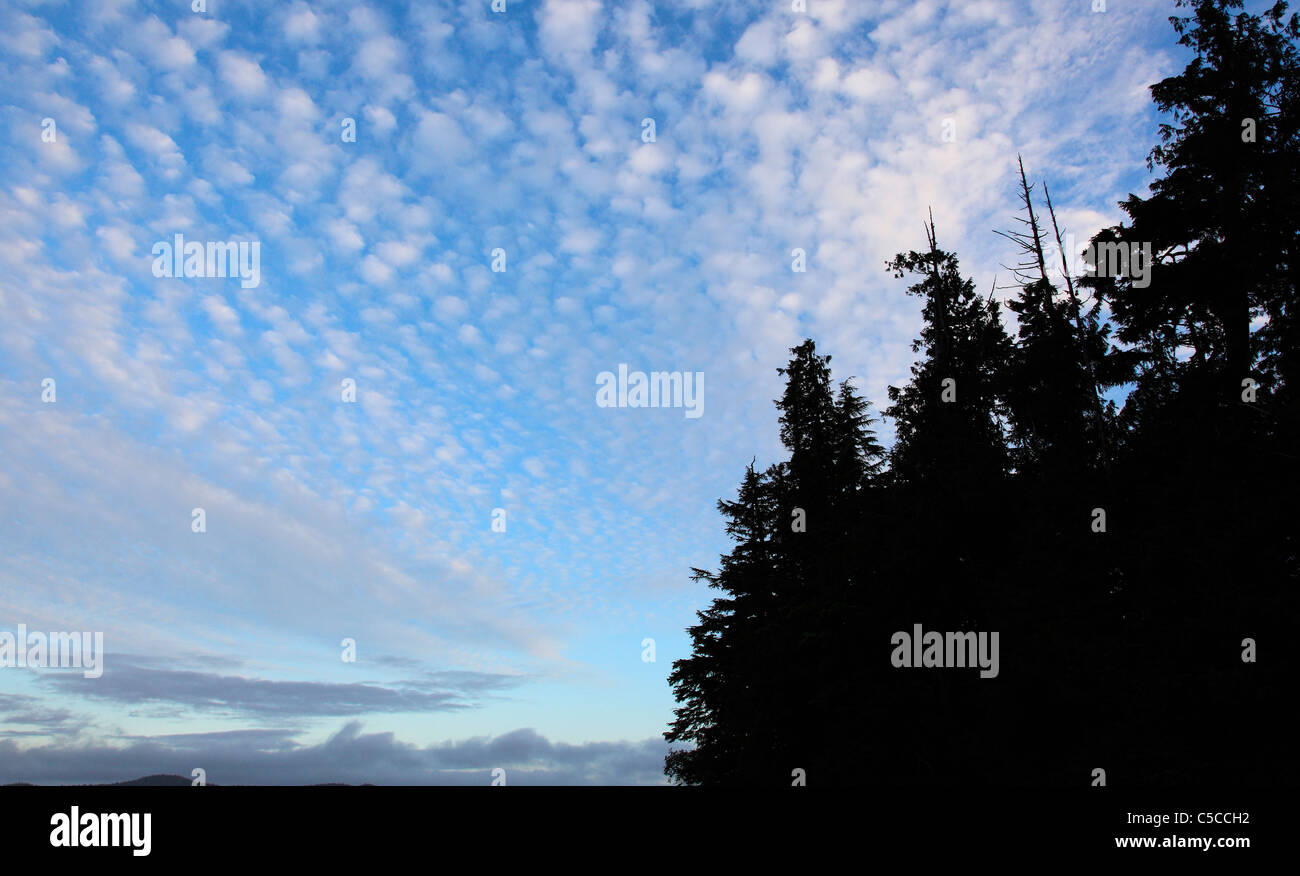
{"x": 242, "y": 74}
{"x": 117, "y": 241}
{"x": 378, "y": 57}
{"x": 222, "y": 314}
{"x": 373, "y": 270}
{"x": 380, "y": 119}
{"x": 568, "y": 28}
{"x": 344, "y": 236}
{"x": 301, "y": 25}
{"x": 155, "y": 41}
{"x": 759, "y": 44}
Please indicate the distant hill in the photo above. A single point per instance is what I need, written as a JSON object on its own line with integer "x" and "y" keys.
{"x": 163, "y": 780}
{"x": 159, "y": 781}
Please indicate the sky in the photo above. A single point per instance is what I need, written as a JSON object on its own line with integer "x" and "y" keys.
{"x": 515, "y": 140}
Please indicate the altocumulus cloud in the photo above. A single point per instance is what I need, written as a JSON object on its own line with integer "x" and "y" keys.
{"x": 474, "y": 389}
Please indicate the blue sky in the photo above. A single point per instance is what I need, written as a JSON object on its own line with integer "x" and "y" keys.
{"x": 475, "y": 390}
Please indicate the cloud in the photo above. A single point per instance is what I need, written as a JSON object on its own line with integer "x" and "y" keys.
{"x": 474, "y": 384}
{"x": 162, "y": 48}
{"x": 34, "y": 717}
{"x": 131, "y": 683}
{"x": 271, "y": 757}
{"x": 378, "y": 57}
{"x": 301, "y": 25}
{"x": 243, "y": 74}
{"x": 119, "y": 242}
{"x": 25, "y": 36}
{"x": 568, "y": 28}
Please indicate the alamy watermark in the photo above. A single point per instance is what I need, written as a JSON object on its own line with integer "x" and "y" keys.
{"x": 1108, "y": 258}
{"x": 658, "y": 389}
{"x": 37, "y": 650}
{"x": 75, "y": 829}
{"x": 215, "y": 258}
{"x": 954, "y": 650}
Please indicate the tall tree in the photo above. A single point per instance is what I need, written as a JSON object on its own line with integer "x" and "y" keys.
{"x": 1058, "y": 367}
{"x": 1222, "y": 219}
{"x": 722, "y": 709}
{"x": 947, "y": 418}
{"x": 1214, "y": 328}
{"x": 761, "y": 688}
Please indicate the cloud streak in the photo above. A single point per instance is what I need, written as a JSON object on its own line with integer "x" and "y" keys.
{"x": 131, "y": 684}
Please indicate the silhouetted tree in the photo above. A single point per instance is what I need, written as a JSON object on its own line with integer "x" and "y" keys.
{"x": 1122, "y": 644}
{"x": 1058, "y": 427}
{"x": 758, "y": 689}
{"x": 1222, "y": 220}
{"x": 947, "y": 418}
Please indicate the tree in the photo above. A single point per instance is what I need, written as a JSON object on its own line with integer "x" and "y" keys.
{"x": 1059, "y": 427}
{"x": 1222, "y": 221}
{"x": 1127, "y": 634}
{"x": 947, "y": 419}
{"x": 760, "y": 690}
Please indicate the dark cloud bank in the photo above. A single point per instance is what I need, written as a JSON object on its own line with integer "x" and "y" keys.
{"x": 273, "y": 756}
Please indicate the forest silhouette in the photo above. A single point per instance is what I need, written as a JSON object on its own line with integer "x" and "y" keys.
{"x": 1139, "y": 560}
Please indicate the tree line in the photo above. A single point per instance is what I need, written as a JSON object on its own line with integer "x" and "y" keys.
{"x": 1139, "y": 559}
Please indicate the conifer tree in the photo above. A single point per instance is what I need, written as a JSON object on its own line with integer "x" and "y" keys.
{"x": 947, "y": 419}
{"x": 760, "y": 691}
{"x": 1222, "y": 219}
{"x": 1058, "y": 424}
{"x": 1124, "y": 634}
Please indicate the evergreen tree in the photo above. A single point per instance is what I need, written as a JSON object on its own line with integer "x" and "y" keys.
{"x": 719, "y": 684}
{"x": 1125, "y": 637}
{"x": 762, "y": 686}
{"x": 1222, "y": 220}
{"x": 947, "y": 420}
{"x": 1218, "y": 316}
{"x": 1058, "y": 424}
